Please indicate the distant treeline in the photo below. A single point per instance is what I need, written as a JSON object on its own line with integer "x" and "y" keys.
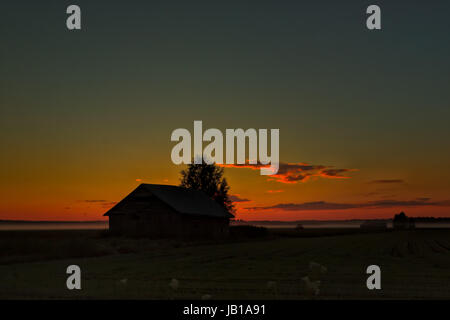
{"x": 431, "y": 219}
{"x": 268, "y": 222}
{"x": 262, "y": 222}
{"x": 42, "y": 221}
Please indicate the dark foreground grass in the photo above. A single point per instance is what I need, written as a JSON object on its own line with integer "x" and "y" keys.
{"x": 415, "y": 265}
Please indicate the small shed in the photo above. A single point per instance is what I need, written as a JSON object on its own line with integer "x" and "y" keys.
{"x": 165, "y": 211}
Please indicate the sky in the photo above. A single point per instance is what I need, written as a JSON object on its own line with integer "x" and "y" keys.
{"x": 86, "y": 115}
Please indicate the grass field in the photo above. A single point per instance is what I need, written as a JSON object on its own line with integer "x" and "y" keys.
{"x": 415, "y": 265}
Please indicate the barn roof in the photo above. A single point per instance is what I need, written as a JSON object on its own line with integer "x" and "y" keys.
{"x": 184, "y": 201}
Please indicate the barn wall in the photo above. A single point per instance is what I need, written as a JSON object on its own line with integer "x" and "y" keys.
{"x": 143, "y": 215}
{"x": 204, "y": 227}
{"x": 120, "y": 224}
{"x": 169, "y": 225}
{"x": 158, "y": 220}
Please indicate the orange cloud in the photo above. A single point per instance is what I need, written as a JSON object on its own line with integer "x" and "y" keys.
{"x": 274, "y": 191}
{"x": 296, "y": 172}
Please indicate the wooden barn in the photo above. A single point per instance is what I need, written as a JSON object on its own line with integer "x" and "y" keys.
{"x": 164, "y": 211}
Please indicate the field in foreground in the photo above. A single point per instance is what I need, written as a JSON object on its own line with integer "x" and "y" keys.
{"x": 415, "y": 265}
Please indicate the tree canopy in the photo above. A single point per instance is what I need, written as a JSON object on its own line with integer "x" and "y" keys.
{"x": 209, "y": 179}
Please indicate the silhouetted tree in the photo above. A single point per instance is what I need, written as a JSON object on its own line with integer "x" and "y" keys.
{"x": 400, "y": 217}
{"x": 209, "y": 179}
{"x": 401, "y": 221}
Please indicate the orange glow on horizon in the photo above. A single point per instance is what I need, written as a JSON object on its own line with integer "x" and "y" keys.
{"x": 87, "y": 198}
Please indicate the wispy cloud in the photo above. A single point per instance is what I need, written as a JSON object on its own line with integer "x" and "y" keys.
{"x": 237, "y": 198}
{"x": 274, "y": 191}
{"x": 318, "y": 205}
{"x": 324, "y": 205}
{"x": 387, "y": 181}
{"x": 103, "y": 203}
{"x": 298, "y": 172}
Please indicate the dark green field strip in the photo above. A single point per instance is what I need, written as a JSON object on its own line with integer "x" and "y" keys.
{"x": 414, "y": 265}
